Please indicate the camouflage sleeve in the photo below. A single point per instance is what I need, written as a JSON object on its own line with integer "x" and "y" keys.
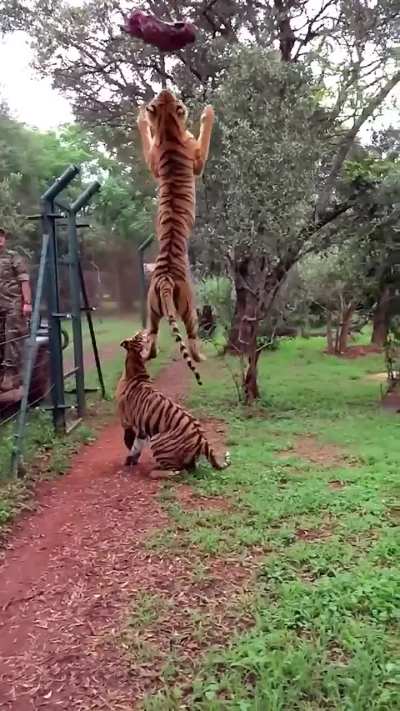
{"x": 20, "y": 268}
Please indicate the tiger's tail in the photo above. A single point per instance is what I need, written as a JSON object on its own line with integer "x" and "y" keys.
{"x": 166, "y": 293}
{"x": 212, "y": 457}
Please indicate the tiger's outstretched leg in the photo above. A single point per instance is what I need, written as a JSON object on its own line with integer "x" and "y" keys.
{"x": 204, "y": 139}
{"x": 188, "y": 315}
{"x": 154, "y": 315}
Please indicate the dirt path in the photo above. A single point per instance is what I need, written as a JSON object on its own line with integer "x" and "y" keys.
{"x": 69, "y": 572}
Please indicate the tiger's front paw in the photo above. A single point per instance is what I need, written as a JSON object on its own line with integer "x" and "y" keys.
{"x": 131, "y": 461}
{"x": 208, "y": 115}
{"x": 142, "y": 118}
{"x": 150, "y": 351}
{"x": 149, "y": 354}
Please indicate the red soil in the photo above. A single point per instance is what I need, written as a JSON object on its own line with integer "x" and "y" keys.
{"x": 69, "y": 572}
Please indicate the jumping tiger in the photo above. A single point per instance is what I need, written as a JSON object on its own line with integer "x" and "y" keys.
{"x": 174, "y": 157}
{"x": 176, "y": 438}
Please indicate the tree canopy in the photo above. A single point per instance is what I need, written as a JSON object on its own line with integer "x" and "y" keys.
{"x": 293, "y": 84}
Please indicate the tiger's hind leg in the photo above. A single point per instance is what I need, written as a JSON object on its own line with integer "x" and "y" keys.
{"x": 154, "y": 316}
{"x": 170, "y": 456}
{"x": 187, "y": 312}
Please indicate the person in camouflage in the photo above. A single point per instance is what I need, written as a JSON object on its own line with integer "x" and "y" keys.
{"x": 15, "y": 309}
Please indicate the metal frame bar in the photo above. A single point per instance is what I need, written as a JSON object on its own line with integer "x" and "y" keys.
{"x": 88, "y": 311}
{"x": 75, "y": 294}
{"x": 48, "y": 281}
{"x": 78, "y": 287}
{"x": 27, "y": 375}
{"x": 53, "y": 296}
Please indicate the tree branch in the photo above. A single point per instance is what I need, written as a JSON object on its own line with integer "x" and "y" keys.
{"x": 348, "y": 140}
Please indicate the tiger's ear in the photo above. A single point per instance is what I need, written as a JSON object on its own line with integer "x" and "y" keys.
{"x": 124, "y": 344}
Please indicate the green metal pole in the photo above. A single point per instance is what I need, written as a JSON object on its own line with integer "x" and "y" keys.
{"x": 74, "y": 283}
{"x": 92, "y": 332}
{"x": 84, "y": 197}
{"x": 55, "y": 341}
{"x": 61, "y": 183}
{"x": 77, "y": 205}
{"x": 53, "y": 296}
{"x": 27, "y": 376}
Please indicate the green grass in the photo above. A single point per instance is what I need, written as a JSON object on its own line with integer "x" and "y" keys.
{"x": 327, "y": 607}
{"x": 109, "y": 329}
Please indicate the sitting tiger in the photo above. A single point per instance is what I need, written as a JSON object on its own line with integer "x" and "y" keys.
{"x": 176, "y": 437}
{"x": 174, "y": 157}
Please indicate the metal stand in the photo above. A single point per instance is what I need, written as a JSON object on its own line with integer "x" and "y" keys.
{"x": 53, "y": 209}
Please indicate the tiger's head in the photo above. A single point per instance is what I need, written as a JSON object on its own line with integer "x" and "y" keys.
{"x": 165, "y": 110}
{"x": 136, "y": 345}
{"x": 135, "y": 349}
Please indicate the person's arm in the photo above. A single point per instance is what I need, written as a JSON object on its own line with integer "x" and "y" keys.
{"x": 22, "y": 275}
{"x": 26, "y": 297}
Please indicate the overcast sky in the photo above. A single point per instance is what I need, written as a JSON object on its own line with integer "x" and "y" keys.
{"x": 33, "y": 101}
{"x": 30, "y": 99}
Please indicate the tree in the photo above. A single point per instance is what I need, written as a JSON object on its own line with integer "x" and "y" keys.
{"x": 106, "y": 75}
{"x": 336, "y": 284}
{"x": 356, "y": 277}
{"x": 378, "y": 171}
{"x": 348, "y": 46}
{"x": 273, "y": 134}
{"x": 29, "y": 162}
{"x": 120, "y": 215}
{"x": 267, "y": 168}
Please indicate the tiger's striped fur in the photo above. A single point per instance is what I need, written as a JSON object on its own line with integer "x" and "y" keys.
{"x": 174, "y": 157}
{"x": 176, "y": 437}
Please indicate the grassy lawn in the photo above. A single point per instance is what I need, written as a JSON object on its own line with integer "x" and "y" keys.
{"x": 314, "y": 514}
{"x": 109, "y": 329}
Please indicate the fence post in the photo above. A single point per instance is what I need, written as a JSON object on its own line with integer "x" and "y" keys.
{"x": 74, "y": 285}
{"x": 53, "y": 296}
{"x": 27, "y": 376}
{"x": 77, "y": 205}
{"x": 53, "y": 307}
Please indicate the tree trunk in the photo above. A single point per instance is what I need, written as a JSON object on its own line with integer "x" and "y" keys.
{"x": 337, "y": 338}
{"x": 250, "y": 380}
{"x": 234, "y": 345}
{"x": 329, "y": 334}
{"x": 256, "y": 289}
{"x": 241, "y": 333}
{"x": 381, "y": 318}
{"x": 345, "y": 328}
